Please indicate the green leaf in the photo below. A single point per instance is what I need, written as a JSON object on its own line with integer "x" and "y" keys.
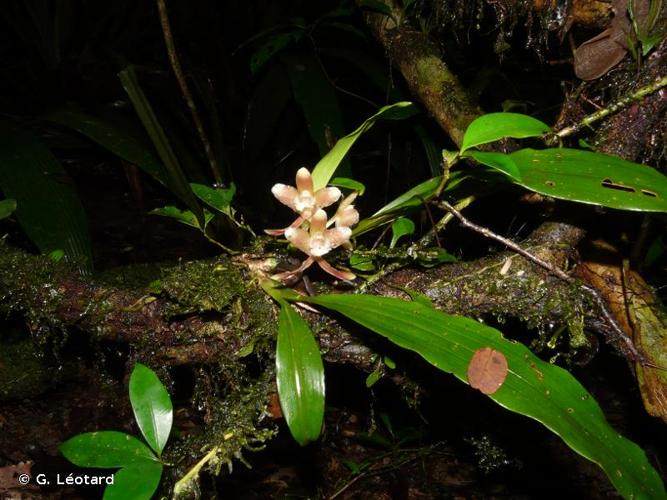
{"x": 48, "y": 207}
{"x": 137, "y": 482}
{"x": 351, "y": 184}
{"x": 326, "y": 167}
{"x": 495, "y": 126}
{"x": 586, "y": 177}
{"x": 299, "y": 376}
{"x": 152, "y": 407}
{"x": 416, "y": 296}
{"x": 7, "y": 208}
{"x": 412, "y": 197}
{"x": 373, "y": 378}
{"x": 177, "y": 180}
{"x": 115, "y": 139}
{"x": 217, "y": 198}
{"x": 183, "y": 216}
{"x": 401, "y": 227}
{"x": 106, "y": 449}
{"x": 57, "y": 255}
{"x": 376, "y": 5}
{"x": 318, "y": 99}
{"x": 534, "y": 388}
{"x": 361, "y": 262}
{"x": 273, "y": 44}
{"x": 497, "y": 161}
{"x": 431, "y": 257}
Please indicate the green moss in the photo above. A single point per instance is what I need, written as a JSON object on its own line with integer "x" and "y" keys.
{"x": 26, "y": 280}
{"x": 203, "y": 285}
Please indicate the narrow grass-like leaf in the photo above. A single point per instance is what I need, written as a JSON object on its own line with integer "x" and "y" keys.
{"x": 413, "y": 197}
{"x": 494, "y": 126}
{"x": 583, "y": 176}
{"x": 326, "y": 167}
{"x": 136, "y": 482}
{"x": 177, "y": 180}
{"x": 106, "y": 449}
{"x": 300, "y": 376}
{"x": 48, "y": 207}
{"x": 540, "y": 390}
{"x": 7, "y": 208}
{"x": 152, "y": 407}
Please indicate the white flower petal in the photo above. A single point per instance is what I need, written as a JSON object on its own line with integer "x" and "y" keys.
{"x": 338, "y": 235}
{"x": 286, "y": 195}
{"x": 348, "y": 217}
{"x": 327, "y": 196}
{"x": 299, "y": 238}
{"x": 319, "y": 245}
{"x": 304, "y": 181}
{"x": 318, "y": 222}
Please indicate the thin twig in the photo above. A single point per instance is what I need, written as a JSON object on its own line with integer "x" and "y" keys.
{"x": 614, "y": 107}
{"x": 413, "y": 250}
{"x": 559, "y": 273}
{"x": 187, "y": 95}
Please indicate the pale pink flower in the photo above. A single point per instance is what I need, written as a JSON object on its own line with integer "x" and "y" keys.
{"x": 302, "y": 199}
{"x": 346, "y": 215}
{"x": 317, "y": 242}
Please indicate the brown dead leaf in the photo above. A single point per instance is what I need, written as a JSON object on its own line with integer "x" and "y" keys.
{"x": 487, "y": 370}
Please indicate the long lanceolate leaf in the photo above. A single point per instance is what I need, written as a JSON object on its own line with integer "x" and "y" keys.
{"x": 48, "y": 207}
{"x": 534, "y": 388}
{"x": 300, "y": 376}
{"x": 326, "y": 167}
{"x": 177, "y": 181}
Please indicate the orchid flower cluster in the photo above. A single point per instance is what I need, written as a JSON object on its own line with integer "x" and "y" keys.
{"x": 311, "y": 232}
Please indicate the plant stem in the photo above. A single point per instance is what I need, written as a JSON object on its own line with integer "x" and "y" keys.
{"x": 614, "y": 107}
{"x": 559, "y": 273}
{"x": 187, "y": 95}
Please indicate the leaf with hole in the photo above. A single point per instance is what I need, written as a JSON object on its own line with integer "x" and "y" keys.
{"x": 583, "y": 176}
{"x": 537, "y": 389}
{"x": 152, "y": 407}
{"x": 299, "y": 376}
{"x": 495, "y": 126}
